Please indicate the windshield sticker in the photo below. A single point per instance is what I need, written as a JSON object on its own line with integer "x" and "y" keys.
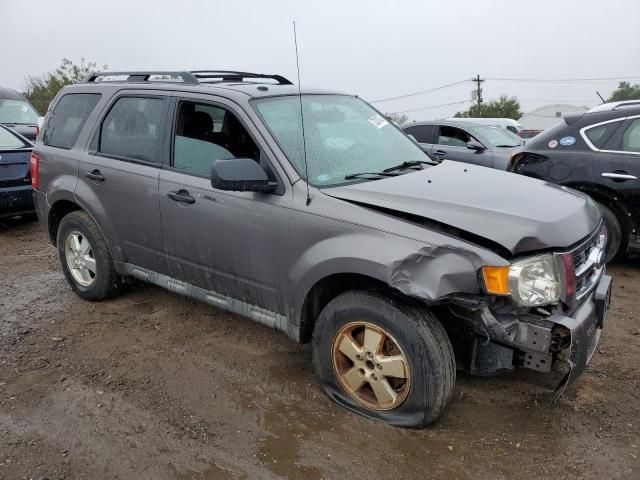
{"x": 323, "y": 178}
{"x": 553, "y": 144}
{"x": 378, "y": 121}
{"x": 566, "y": 141}
{"x": 25, "y": 109}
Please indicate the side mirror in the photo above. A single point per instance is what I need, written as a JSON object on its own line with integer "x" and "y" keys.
{"x": 475, "y": 145}
{"x": 240, "y": 175}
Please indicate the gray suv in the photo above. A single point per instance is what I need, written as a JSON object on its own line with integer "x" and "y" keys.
{"x": 310, "y": 213}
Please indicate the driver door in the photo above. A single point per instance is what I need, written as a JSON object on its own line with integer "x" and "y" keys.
{"x": 225, "y": 242}
{"x": 451, "y": 144}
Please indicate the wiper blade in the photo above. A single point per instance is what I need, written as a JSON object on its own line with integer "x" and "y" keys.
{"x": 413, "y": 163}
{"x": 508, "y": 146}
{"x": 369, "y": 174}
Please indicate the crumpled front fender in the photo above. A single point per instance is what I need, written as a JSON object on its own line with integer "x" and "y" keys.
{"x": 434, "y": 272}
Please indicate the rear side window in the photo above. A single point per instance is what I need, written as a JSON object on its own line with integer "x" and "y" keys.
{"x": 133, "y": 129}
{"x": 598, "y": 136}
{"x": 67, "y": 119}
{"x": 422, "y": 133}
{"x": 9, "y": 141}
{"x": 631, "y": 137}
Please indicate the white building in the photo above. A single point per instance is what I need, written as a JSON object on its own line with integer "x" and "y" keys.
{"x": 547, "y": 116}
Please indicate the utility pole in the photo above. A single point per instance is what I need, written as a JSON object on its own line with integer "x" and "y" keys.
{"x": 478, "y": 81}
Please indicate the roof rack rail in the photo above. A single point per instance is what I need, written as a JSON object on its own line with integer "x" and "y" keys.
{"x": 142, "y": 76}
{"x": 609, "y": 106}
{"x": 232, "y": 76}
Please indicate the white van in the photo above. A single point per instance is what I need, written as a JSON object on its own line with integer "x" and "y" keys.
{"x": 508, "y": 123}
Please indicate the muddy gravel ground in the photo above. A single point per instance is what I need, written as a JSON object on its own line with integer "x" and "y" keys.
{"x": 151, "y": 385}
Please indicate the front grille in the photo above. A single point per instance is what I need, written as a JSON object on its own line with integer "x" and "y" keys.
{"x": 589, "y": 263}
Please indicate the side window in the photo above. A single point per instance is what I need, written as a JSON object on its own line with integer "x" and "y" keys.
{"x": 422, "y": 133}
{"x": 453, "y": 137}
{"x": 206, "y": 133}
{"x": 67, "y": 119}
{"x": 133, "y": 129}
{"x": 600, "y": 135}
{"x": 631, "y": 137}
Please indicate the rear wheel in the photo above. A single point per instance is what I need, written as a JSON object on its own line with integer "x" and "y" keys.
{"x": 614, "y": 231}
{"x": 85, "y": 258}
{"x": 385, "y": 358}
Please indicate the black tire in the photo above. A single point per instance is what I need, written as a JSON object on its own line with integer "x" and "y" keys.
{"x": 615, "y": 239}
{"x": 106, "y": 281}
{"x": 420, "y": 336}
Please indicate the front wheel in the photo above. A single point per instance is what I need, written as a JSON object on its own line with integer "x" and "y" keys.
{"x": 385, "y": 358}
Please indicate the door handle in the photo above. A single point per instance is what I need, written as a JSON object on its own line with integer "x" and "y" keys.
{"x": 619, "y": 176}
{"x": 181, "y": 196}
{"x": 95, "y": 175}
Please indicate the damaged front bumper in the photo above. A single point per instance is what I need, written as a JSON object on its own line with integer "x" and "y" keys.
{"x": 584, "y": 327}
{"x": 540, "y": 341}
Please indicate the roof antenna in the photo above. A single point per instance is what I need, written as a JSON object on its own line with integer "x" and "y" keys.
{"x": 304, "y": 143}
{"x": 603, "y": 100}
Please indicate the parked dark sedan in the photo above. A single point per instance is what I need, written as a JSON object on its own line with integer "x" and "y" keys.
{"x": 18, "y": 114}
{"x": 598, "y": 153}
{"x": 16, "y": 197}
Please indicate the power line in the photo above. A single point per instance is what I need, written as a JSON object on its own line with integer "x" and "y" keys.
{"x": 563, "y": 80}
{"x": 432, "y": 106}
{"x": 442, "y": 87}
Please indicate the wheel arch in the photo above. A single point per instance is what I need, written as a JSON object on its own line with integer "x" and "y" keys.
{"x": 326, "y": 289}
{"x": 57, "y": 212}
{"x": 609, "y": 198}
{"x": 64, "y": 206}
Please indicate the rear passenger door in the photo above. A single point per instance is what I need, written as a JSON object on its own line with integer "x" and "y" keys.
{"x": 629, "y": 164}
{"x": 118, "y": 179}
{"x": 424, "y": 135}
{"x": 225, "y": 242}
{"x": 451, "y": 144}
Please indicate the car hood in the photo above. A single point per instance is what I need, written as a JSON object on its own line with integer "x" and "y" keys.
{"x": 519, "y": 213}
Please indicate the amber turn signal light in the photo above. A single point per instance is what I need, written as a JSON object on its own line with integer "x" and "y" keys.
{"x": 496, "y": 280}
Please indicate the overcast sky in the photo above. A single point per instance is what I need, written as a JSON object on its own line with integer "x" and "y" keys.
{"x": 375, "y": 48}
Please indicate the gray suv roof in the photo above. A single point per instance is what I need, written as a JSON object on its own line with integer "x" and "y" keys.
{"x": 230, "y": 84}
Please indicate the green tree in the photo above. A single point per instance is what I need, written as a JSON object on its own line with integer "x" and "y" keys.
{"x": 40, "y": 90}
{"x": 399, "y": 118}
{"x": 625, "y": 91}
{"x": 505, "y": 107}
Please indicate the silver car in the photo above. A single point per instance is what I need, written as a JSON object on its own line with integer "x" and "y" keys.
{"x": 467, "y": 142}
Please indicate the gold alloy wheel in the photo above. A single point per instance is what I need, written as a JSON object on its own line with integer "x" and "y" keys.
{"x": 371, "y": 366}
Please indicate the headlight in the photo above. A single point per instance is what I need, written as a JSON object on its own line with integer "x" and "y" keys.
{"x": 530, "y": 282}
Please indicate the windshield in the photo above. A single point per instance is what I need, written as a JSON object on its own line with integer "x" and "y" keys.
{"x": 343, "y": 136}
{"x": 496, "y": 136}
{"x": 17, "y": 111}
